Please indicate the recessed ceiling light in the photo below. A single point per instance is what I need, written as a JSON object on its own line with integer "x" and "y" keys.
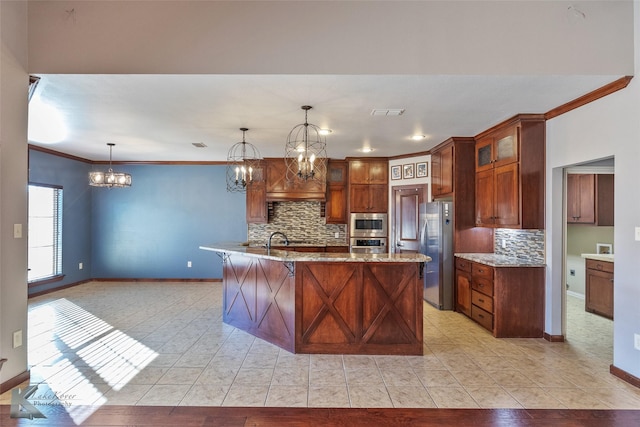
{"x": 366, "y": 149}
{"x": 418, "y": 137}
{"x": 325, "y": 131}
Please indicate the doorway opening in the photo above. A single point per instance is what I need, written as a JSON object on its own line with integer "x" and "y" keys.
{"x": 588, "y": 257}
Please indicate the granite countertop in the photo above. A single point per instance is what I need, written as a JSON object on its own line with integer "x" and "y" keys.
{"x": 281, "y": 255}
{"x": 495, "y": 260}
{"x": 598, "y": 257}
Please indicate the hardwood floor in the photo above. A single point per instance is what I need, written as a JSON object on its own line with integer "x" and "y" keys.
{"x": 197, "y": 416}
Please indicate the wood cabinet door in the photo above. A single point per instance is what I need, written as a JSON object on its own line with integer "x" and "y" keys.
{"x": 378, "y": 172}
{"x": 506, "y": 195}
{"x": 336, "y": 207}
{"x": 599, "y": 293}
{"x": 378, "y": 198}
{"x": 256, "y": 204}
{"x": 436, "y": 174}
{"x": 506, "y": 146}
{"x": 337, "y": 172}
{"x": 484, "y": 197}
{"x": 463, "y": 292}
{"x": 358, "y": 172}
{"x": 604, "y": 199}
{"x": 581, "y": 199}
{"x": 484, "y": 154}
{"x": 446, "y": 170}
{"x": 359, "y": 198}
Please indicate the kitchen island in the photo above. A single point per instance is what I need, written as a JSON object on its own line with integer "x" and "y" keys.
{"x": 332, "y": 303}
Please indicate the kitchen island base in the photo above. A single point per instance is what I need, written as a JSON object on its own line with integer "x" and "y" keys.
{"x": 324, "y": 306}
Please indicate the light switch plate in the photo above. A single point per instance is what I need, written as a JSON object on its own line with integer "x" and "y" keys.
{"x": 17, "y": 231}
{"x": 637, "y": 233}
{"x": 636, "y": 341}
{"x": 17, "y": 339}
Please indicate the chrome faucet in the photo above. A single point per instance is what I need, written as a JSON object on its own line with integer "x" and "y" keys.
{"x": 286, "y": 240}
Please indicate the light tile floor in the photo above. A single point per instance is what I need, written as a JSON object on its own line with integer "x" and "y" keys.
{"x": 165, "y": 344}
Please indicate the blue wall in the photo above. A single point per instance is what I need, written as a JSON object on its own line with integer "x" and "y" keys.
{"x": 76, "y": 214}
{"x": 153, "y": 228}
{"x": 147, "y": 231}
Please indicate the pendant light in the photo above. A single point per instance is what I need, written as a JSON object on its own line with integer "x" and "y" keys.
{"x": 242, "y": 162}
{"x": 305, "y": 152}
{"x": 109, "y": 178}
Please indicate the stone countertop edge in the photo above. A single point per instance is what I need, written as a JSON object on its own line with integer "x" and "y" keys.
{"x": 495, "y": 260}
{"x": 598, "y": 257}
{"x": 279, "y": 255}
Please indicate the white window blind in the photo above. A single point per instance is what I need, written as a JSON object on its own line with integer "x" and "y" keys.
{"x": 45, "y": 232}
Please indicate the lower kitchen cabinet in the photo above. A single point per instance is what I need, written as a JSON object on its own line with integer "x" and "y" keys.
{"x": 599, "y": 288}
{"x": 507, "y": 301}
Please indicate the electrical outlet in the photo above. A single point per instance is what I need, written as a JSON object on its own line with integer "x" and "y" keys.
{"x": 572, "y": 272}
{"x": 80, "y": 266}
{"x": 504, "y": 243}
{"x": 336, "y": 234}
{"x": 17, "y": 339}
{"x": 188, "y": 264}
{"x": 636, "y": 341}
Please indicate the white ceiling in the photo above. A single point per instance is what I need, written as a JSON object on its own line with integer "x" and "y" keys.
{"x": 158, "y": 117}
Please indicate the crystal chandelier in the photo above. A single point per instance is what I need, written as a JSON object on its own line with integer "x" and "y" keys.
{"x": 305, "y": 152}
{"x": 242, "y": 161}
{"x": 109, "y": 178}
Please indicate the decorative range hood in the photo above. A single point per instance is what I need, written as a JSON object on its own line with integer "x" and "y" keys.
{"x": 279, "y": 189}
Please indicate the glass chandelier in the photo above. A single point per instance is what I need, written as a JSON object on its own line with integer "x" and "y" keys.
{"x": 242, "y": 161}
{"x": 109, "y": 178}
{"x": 305, "y": 152}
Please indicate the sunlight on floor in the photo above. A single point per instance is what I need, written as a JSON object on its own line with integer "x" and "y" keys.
{"x": 94, "y": 346}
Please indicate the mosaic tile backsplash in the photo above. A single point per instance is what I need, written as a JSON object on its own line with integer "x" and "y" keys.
{"x": 523, "y": 244}
{"x": 299, "y": 221}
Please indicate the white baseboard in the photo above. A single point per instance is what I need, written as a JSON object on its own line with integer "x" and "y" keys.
{"x": 575, "y": 295}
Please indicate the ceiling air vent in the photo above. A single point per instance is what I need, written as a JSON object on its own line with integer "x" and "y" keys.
{"x": 199, "y": 144}
{"x": 387, "y": 111}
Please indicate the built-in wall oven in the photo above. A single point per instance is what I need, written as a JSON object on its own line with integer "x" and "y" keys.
{"x": 368, "y": 233}
{"x": 369, "y": 245}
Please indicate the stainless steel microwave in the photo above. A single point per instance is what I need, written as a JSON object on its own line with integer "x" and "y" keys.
{"x": 368, "y": 225}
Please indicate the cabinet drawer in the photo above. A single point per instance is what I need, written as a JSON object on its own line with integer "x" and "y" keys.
{"x": 481, "y": 300}
{"x": 593, "y": 264}
{"x": 482, "y": 317}
{"x": 482, "y": 285}
{"x": 463, "y": 264}
{"x": 481, "y": 270}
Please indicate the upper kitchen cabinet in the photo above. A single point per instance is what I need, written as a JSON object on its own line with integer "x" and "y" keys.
{"x": 336, "y": 207}
{"x": 510, "y": 161}
{"x": 256, "y": 210}
{"x": 368, "y": 171}
{"x": 590, "y": 199}
{"x": 368, "y": 188}
{"x": 442, "y": 171}
{"x": 453, "y": 178}
{"x": 279, "y": 188}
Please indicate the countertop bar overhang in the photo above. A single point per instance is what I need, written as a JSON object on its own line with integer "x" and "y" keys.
{"x": 328, "y": 303}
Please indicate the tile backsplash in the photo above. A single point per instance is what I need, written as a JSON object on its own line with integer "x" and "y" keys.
{"x": 523, "y": 244}
{"x": 299, "y": 221}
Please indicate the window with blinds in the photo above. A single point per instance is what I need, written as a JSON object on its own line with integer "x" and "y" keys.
{"x": 45, "y": 232}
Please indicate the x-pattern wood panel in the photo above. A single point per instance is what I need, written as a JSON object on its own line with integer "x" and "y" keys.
{"x": 389, "y": 310}
{"x": 328, "y": 307}
{"x": 240, "y": 285}
{"x": 275, "y": 280}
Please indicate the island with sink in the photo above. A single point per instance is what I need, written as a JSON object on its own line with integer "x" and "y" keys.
{"x": 331, "y": 303}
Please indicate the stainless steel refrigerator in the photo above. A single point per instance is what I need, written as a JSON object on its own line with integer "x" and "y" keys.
{"x": 436, "y": 241}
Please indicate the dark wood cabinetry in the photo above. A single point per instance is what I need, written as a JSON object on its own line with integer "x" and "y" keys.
{"x": 463, "y": 286}
{"x": 509, "y": 167}
{"x": 453, "y": 178}
{"x": 368, "y": 187}
{"x": 336, "y": 206}
{"x": 590, "y": 199}
{"x": 442, "y": 171}
{"x": 256, "y": 197}
{"x": 508, "y": 301}
{"x": 599, "y": 287}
